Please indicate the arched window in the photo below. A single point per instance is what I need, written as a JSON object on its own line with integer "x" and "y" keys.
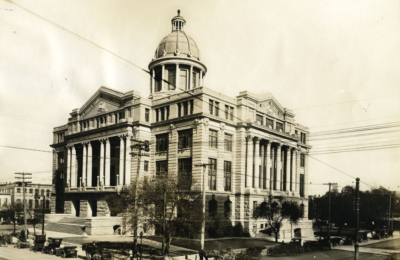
{"x": 18, "y": 190}
{"x": 48, "y": 193}
{"x": 36, "y": 203}
{"x": 212, "y": 207}
{"x": 36, "y": 192}
{"x": 30, "y": 204}
{"x": 47, "y": 204}
{"x": 302, "y": 209}
{"x": 42, "y": 193}
{"x": 227, "y": 208}
{"x": 18, "y": 201}
{"x": 30, "y": 191}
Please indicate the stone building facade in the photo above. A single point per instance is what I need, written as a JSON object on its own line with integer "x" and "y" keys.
{"x": 256, "y": 148}
{"x": 31, "y": 194}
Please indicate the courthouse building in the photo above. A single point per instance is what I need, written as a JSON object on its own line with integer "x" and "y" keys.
{"x": 256, "y": 148}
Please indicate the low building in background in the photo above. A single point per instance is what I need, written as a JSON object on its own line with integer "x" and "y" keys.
{"x": 255, "y": 147}
{"x": 32, "y": 192}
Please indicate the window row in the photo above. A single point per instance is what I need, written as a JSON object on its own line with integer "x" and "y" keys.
{"x": 269, "y": 123}
{"x": 212, "y": 175}
{"x": 185, "y": 108}
{"x": 214, "y": 110}
{"x": 213, "y": 140}
{"x": 170, "y": 78}
{"x": 162, "y": 113}
{"x": 19, "y": 190}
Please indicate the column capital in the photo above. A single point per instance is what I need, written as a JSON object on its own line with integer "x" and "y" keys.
{"x": 257, "y": 139}
{"x": 279, "y": 145}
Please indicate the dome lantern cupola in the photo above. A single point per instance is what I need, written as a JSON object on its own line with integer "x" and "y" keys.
{"x": 178, "y": 22}
{"x": 176, "y": 65}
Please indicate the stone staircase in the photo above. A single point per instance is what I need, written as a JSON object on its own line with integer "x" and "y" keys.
{"x": 67, "y": 225}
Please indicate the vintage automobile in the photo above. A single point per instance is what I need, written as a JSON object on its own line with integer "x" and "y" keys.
{"x": 288, "y": 249}
{"x": 97, "y": 252}
{"x": 38, "y": 243}
{"x": 51, "y": 245}
{"x": 251, "y": 253}
{"x": 67, "y": 251}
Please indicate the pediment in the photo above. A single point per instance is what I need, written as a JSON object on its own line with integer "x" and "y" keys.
{"x": 103, "y": 101}
{"x": 272, "y": 108}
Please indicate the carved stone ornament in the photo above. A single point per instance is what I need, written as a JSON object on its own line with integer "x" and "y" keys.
{"x": 164, "y": 53}
{"x": 206, "y": 122}
{"x": 190, "y": 54}
{"x": 101, "y": 107}
{"x": 135, "y": 131}
{"x": 177, "y": 52}
{"x": 222, "y": 126}
{"x": 197, "y": 122}
{"x": 172, "y": 127}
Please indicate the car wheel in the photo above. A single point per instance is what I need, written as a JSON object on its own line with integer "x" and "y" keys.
{"x": 51, "y": 252}
{"x": 275, "y": 252}
{"x": 88, "y": 256}
{"x": 246, "y": 257}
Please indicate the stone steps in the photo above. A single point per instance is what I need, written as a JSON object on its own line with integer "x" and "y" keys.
{"x": 69, "y": 228}
{"x": 72, "y": 220}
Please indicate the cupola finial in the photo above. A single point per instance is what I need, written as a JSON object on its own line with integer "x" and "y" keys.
{"x": 178, "y": 22}
{"x": 179, "y": 12}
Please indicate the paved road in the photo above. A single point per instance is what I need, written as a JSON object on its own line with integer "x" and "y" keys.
{"x": 392, "y": 244}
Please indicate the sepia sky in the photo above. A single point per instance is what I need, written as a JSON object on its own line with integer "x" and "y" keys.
{"x": 334, "y": 63}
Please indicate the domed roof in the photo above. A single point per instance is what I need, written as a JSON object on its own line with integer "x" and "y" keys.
{"x": 178, "y": 44}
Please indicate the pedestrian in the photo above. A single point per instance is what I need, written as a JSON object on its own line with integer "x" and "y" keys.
{"x": 203, "y": 253}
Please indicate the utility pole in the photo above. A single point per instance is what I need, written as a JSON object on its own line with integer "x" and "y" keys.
{"x": 390, "y": 202}
{"x": 24, "y": 184}
{"x": 356, "y": 246}
{"x": 329, "y": 209}
{"x": 203, "y": 224}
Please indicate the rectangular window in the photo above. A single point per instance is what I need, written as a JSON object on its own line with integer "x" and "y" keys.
{"x": 60, "y": 158}
{"x": 259, "y": 119}
{"x": 194, "y": 77}
{"x": 161, "y": 168}
{"x": 228, "y": 142}
{"x": 279, "y": 126}
{"x": 269, "y": 123}
{"x": 211, "y": 106}
{"x": 254, "y": 208}
{"x": 231, "y": 112}
{"x": 185, "y": 173}
{"x": 226, "y": 112}
{"x": 185, "y": 108}
{"x": 158, "y": 80}
{"x": 183, "y": 80}
{"x": 147, "y": 115}
{"x": 146, "y": 166}
{"x": 171, "y": 79}
{"x": 157, "y": 115}
{"x": 301, "y": 185}
{"x": 302, "y": 160}
{"x": 185, "y": 138}
{"x": 216, "y": 104}
{"x": 212, "y": 174}
{"x": 213, "y": 139}
{"x": 162, "y": 112}
{"x": 179, "y": 109}
{"x": 303, "y": 138}
{"x": 161, "y": 143}
{"x": 227, "y": 175}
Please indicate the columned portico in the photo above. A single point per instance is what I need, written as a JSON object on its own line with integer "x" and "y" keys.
{"x": 287, "y": 169}
{"x": 101, "y": 172}
{"x": 127, "y": 160}
{"x": 121, "y": 159}
{"x": 279, "y": 167}
{"x": 249, "y": 172}
{"x": 89, "y": 165}
{"x": 73, "y": 167}
{"x": 268, "y": 165}
{"x": 107, "y": 163}
{"x": 84, "y": 165}
{"x": 256, "y": 169}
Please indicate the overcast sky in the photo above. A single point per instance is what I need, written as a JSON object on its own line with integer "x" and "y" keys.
{"x": 335, "y": 63}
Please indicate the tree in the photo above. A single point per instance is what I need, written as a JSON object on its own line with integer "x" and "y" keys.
{"x": 167, "y": 201}
{"x": 274, "y": 212}
{"x": 14, "y": 212}
{"x": 36, "y": 216}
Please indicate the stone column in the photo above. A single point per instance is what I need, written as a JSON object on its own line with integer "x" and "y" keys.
{"x": 101, "y": 172}
{"x": 288, "y": 175}
{"x": 128, "y": 160}
{"x": 249, "y": 176}
{"x": 296, "y": 178}
{"x": 191, "y": 77}
{"x": 256, "y": 179}
{"x": 84, "y": 166}
{"x": 268, "y": 164}
{"x": 162, "y": 77}
{"x": 177, "y": 76}
{"x": 68, "y": 175}
{"x": 153, "y": 81}
{"x": 107, "y": 163}
{"x": 292, "y": 175}
{"x": 201, "y": 78}
{"x": 89, "y": 165}
{"x": 262, "y": 164}
{"x": 121, "y": 159}
{"x": 189, "y": 107}
{"x": 73, "y": 166}
{"x": 278, "y": 167}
